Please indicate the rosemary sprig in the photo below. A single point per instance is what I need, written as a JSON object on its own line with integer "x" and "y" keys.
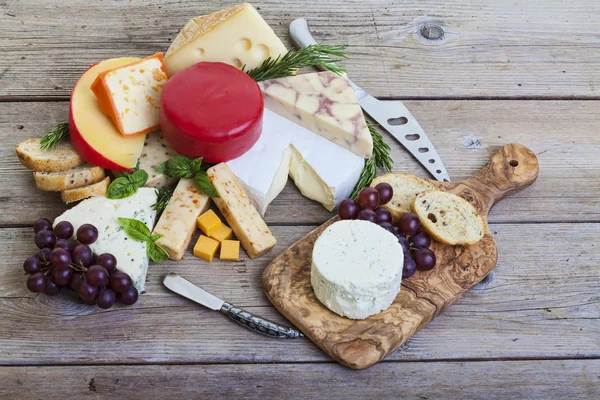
{"x": 315, "y": 55}
{"x": 162, "y": 199}
{"x": 380, "y": 159}
{"x": 54, "y": 135}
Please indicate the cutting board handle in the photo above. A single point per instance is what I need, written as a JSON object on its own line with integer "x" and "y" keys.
{"x": 512, "y": 168}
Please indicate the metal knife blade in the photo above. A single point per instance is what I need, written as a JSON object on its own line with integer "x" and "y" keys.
{"x": 392, "y": 115}
{"x": 187, "y": 289}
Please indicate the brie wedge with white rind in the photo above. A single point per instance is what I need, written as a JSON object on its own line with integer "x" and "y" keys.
{"x": 356, "y": 268}
{"x": 322, "y": 170}
{"x": 104, "y": 214}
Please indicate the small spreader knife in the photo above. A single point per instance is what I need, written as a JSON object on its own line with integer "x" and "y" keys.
{"x": 187, "y": 289}
{"x": 392, "y": 115}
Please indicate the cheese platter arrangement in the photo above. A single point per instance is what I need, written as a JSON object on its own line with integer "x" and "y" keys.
{"x": 206, "y": 136}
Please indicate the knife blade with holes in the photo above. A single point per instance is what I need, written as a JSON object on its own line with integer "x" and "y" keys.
{"x": 392, "y": 115}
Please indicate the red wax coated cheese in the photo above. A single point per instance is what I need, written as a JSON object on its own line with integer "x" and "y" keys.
{"x": 211, "y": 110}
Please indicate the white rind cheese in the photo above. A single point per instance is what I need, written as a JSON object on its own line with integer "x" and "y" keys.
{"x": 104, "y": 214}
{"x": 156, "y": 151}
{"x": 356, "y": 268}
{"x": 322, "y": 170}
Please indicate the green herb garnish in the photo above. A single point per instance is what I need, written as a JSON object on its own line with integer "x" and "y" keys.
{"x": 315, "y": 55}
{"x": 137, "y": 230}
{"x": 184, "y": 168}
{"x": 380, "y": 159}
{"x": 54, "y": 135}
{"x": 162, "y": 199}
{"x": 127, "y": 184}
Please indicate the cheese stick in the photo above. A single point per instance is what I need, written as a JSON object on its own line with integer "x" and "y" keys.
{"x": 178, "y": 221}
{"x": 241, "y": 215}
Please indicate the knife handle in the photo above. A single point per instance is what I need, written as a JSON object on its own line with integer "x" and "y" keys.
{"x": 258, "y": 324}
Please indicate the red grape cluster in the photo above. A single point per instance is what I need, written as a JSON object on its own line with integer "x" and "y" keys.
{"x": 62, "y": 263}
{"x": 415, "y": 242}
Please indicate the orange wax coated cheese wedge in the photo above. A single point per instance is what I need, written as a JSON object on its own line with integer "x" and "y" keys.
{"x": 208, "y": 222}
{"x": 130, "y": 95}
{"x": 223, "y": 233}
{"x": 206, "y": 248}
{"x": 230, "y": 250}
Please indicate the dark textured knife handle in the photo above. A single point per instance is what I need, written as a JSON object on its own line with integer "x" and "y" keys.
{"x": 258, "y": 324}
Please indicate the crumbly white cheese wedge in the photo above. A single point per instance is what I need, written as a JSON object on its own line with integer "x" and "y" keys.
{"x": 104, "y": 214}
{"x": 324, "y": 103}
{"x": 241, "y": 215}
{"x": 177, "y": 223}
{"x": 263, "y": 170}
{"x": 237, "y": 36}
{"x": 356, "y": 268}
{"x": 322, "y": 170}
{"x": 156, "y": 151}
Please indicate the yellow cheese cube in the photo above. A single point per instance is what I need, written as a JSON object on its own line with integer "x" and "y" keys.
{"x": 223, "y": 233}
{"x": 208, "y": 222}
{"x": 206, "y": 248}
{"x": 230, "y": 250}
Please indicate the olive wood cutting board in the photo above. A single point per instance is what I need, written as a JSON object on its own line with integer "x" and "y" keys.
{"x": 359, "y": 344}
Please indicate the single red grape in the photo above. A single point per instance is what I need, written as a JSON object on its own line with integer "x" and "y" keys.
{"x": 410, "y": 267}
{"x": 62, "y": 277}
{"x": 383, "y": 215}
{"x": 129, "y": 297}
{"x": 368, "y": 198}
{"x": 52, "y": 289}
{"x": 119, "y": 282}
{"x": 367, "y": 215}
{"x": 64, "y": 230}
{"x": 97, "y": 275}
{"x": 87, "y": 292}
{"x": 87, "y": 234}
{"x": 60, "y": 258}
{"x": 36, "y": 283}
{"x": 409, "y": 224}
{"x": 45, "y": 239}
{"x": 32, "y": 265}
{"x": 44, "y": 255}
{"x": 425, "y": 259}
{"x": 387, "y": 226}
{"x": 385, "y": 192}
{"x": 106, "y": 298}
{"x": 76, "y": 280}
{"x": 107, "y": 260}
{"x": 420, "y": 240}
{"x": 404, "y": 243}
{"x": 348, "y": 209}
{"x": 64, "y": 244}
{"x": 82, "y": 255}
{"x": 42, "y": 224}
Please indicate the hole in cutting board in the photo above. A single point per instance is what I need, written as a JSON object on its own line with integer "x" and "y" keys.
{"x": 397, "y": 121}
{"x": 423, "y": 149}
{"x": 413, "y": 136}
{"x": 513, "y": 163}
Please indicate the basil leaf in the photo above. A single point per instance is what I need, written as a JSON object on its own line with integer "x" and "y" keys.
{"x": 156, "y": 253}
{"x": 196, "y": 165}
{"x": 120, "y": 188}
{"x": 178, "y": 167}
{"x": 135, "y": 229}
{"x": 161, "y": 167}
{"x": 156, "y": 236}
{"x": 204, "y": 184}
{"x": 138, "y": 178}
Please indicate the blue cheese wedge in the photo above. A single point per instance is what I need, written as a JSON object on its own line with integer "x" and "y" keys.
{"x": 156, "y": 151}
{"x": 356, "y": 268}
{"x": 104, "y": 214}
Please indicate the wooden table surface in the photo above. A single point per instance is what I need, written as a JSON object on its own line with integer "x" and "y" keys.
{"x": 475, "y": 74}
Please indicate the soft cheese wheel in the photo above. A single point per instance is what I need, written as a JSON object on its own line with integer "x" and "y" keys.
{"x": 211, "y": 110}
{"x": 356, "y": 268}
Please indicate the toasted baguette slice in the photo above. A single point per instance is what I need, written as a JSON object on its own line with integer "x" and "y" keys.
{"x": 95, "y": 189}
{"x": 61, "y": 157}
{"x": 406, "y": 187}
{"x": 448, "y": 218}
{"x": 73, "y": 178}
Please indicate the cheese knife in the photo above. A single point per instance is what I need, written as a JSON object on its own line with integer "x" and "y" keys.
{"x": 391, "y": 115}
{"x": 187, "y": 289}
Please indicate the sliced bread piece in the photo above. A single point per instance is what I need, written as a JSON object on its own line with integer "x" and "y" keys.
{"x": 61, "y": 157}
{"x": 80, "y": 193}
{"x": 406, "y": 187}
{"x": 448, "y": 218}
{"x": 73, "y": 178}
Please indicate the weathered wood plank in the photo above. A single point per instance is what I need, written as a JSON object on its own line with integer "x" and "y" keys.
{"x": 560, "y": 379}
{"x": 564, "y": 135}
{"x": 491, "y": 48}
{"x": 542, "y": 301}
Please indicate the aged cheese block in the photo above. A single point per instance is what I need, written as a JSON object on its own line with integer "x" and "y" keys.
{"x": 237, "y": 36}
{"x": 324, "y": 103}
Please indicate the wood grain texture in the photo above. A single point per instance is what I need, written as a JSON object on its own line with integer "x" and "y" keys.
{"x": 398, "y": 49}
{"x": 360, "y": 344}
{"x": 561, "y": 379}
{"x": 564, "y": 135}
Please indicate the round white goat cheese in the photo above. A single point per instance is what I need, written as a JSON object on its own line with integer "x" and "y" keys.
{"x": 356, "y": 268}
